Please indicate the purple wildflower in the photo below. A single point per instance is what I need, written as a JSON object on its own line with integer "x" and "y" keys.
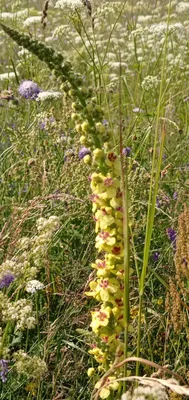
{"x": 6, "y": 280}
{"x": 156, "y": 256}
{"x": 83, "y": 152}
{"x": 158, "y": 202}
{"x": 3, "y": 369}
{"x": 175, "y": 195}
{"x": 172, "y": 235}
{"x": 126, "y": 151}
{"x": 29, "y": 90}
{"x": 105, "y": 122}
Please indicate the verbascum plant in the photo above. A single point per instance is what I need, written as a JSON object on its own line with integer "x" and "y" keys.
{"x": 108, "y": 320}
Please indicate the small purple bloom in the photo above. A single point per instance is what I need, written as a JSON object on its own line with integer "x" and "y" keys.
{"x": 158, "y": 202}
{"x": 83, "y": 152}
{"x": 156, "y": 256}
{"x": 126, "y": 151}
{"x": 105, "y": 122}
{"x": 3, "y": 369}
{"x": 175, "y": 195}
{"x": 172, "y": 235}
{"x": 6, "y": 280}
{"x": 29, "y": 90}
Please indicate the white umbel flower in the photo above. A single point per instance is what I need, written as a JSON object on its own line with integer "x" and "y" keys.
{"x": 33, "y": 286}
{"x": 7, "y": 75}
{"x": 32, "y": 21}
{"x": 73, "y": 4}
{"x": 48, "y": 95}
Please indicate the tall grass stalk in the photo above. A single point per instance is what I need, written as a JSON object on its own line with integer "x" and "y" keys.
{"x": 124, "y": 181}
{"x": 154, "y": 184}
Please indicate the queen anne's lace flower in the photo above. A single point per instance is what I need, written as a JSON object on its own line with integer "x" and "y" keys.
{"x": 7, "y": 75}
{"x": 32, "y": 20}
{"x": 48, "y": 95}
{"x": 33, "y": 286}
{"x": 73, "y": 4}
{"x": 6, "y": 280}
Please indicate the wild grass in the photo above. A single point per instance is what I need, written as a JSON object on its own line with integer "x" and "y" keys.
{"x": 133, "y": 58}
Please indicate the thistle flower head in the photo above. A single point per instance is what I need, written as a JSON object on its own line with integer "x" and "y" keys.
{"x": 126, "y": 151}
{"x": 29, "y": 89}
{"x": 3, "y": 369}
{"x": 6, "y": 280}
{"x": 172, "y": 235}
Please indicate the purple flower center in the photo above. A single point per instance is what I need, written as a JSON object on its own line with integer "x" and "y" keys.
{"x": 83, "y": 152}
{"x": 29, "y": 90}
{"x": 126, "y": 151}
{"x": 6, "y": 280}
{"x": 3, "y": 369}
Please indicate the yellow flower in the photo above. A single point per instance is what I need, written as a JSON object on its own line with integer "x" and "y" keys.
{"x": 103, "y": 268}
{"x": 100, "y": 318}
{"x": 98, "y": 354}
{"x": 105, "y": 238}
{"x": 103, "y": 289}
{"x": 113, "y": 161}
{"x": 111, "y": 385}
{"x": 103, "y": 220}
{"x": 90, "y": 372}
{"x": 105, "y": 186}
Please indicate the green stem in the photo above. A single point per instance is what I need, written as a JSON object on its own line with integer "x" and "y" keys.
{"x": 154, "y": 183}
{"x": 124, "y": 181}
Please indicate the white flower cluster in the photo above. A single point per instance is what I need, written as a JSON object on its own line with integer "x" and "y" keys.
{"x": 33, "y": 286}
{"x": 73, "y": 4}
{"x": 13, "y": 16}
{"x": 7, "y": 76}
{"x": 50, "y": 224}
{"x": 150, "y": 82}
{"x": 33, "y": 367}
{"x": 14, "y": 266}
{"x": 155, "y": 392}
{"x": 46, "y": 227}
{"x": 32, "y": 21}
{"x": 20, "y": 312}
{"x": 3, "y": 350}
{"x": 31, "y": 250}
{"x": 48, "y": 95}
{"x": 182, "y": 7}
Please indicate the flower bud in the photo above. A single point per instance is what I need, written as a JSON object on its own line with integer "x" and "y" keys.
{"x": 98, "y": 108}
{"x": 72, "y": 93}
{"x": 98, "y": 154}
{"x": 85, "y": 127}
{"x": 100, "y": 127}
{"x": 87, "y": 159}
{"x": 90, "y": 372}
{"x": 75, "y": 117}
{"x": 89, "y": 107}
{"x": 78, "y": 128}
{"x": 83, "y": 140}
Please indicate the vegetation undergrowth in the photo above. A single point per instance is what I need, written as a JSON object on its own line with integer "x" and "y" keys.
{"x": 94, "y": 109}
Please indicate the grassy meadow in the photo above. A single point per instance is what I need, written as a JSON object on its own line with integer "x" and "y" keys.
{"x": 94, "y": 165}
